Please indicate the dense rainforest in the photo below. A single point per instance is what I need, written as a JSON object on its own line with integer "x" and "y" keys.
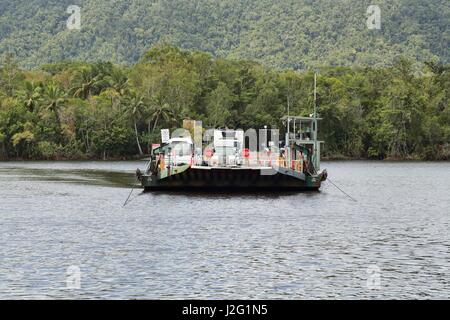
{"x": 295, "y": 34}
{"x": 80, "y": 110}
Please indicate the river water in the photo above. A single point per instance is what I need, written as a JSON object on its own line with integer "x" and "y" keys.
{"x": 64, "y": 234}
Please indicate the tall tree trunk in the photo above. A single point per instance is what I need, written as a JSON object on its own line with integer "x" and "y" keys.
{"x": 149, "y": 146}
{"x": 88, "y": 145}
{"x": 156, "y": 122}
{"x": 4, "y": 154}
{"x": 137, "y": 139}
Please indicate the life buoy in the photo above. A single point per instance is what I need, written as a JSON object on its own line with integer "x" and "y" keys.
{"x": 209, "y": 153}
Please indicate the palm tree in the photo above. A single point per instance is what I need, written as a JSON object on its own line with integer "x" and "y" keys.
{"x": 30, "y": 95}
{"x": 118, "y": 81}
{"x": 89, "y": 81}
{"x": 135, "y": 107}
{"x": 160, "y": 111}
{"x": 83, "y": 81}
{"x": 53, "y": 99}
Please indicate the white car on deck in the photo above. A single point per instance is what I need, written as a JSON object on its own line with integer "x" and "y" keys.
{"x": 181, "y": 151}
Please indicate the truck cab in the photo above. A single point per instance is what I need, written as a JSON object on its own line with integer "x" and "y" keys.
{"x": 228, "y": 147}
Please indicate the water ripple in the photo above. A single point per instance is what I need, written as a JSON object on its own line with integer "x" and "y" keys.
{"x": 293, "y": 246}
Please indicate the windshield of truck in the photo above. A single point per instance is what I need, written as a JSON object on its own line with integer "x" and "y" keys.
{"x": 181, "y": 149}
{"x": 227, "y": 151}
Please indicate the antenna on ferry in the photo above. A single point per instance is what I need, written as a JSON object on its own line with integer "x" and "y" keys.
{"x": 315, "y": 155}
{"x": 315, "y": 94}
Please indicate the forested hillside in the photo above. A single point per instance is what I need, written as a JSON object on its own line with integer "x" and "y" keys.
{"x": 76, "y": 110}
{"x": 298, "y": 34}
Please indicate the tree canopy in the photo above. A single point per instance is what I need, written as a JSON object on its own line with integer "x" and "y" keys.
{"x": 295, "y": 34}
{"x": 76, "y": 110}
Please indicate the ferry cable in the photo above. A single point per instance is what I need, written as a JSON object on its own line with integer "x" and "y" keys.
{"x": 131, "y": 192}
{"x": 353, "y": 199}
{"x": 342, "y": 190}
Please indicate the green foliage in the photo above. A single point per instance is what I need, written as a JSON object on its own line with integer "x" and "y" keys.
{"x": 296, "y": 34}
{"x": 102, "y": 110}
{"x": 219, "y": 103}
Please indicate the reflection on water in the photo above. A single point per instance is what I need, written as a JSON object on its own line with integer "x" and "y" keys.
{"x": 89, "y": 177}
{"x": 181, "y": 245}
{"x": 70, "y": 172}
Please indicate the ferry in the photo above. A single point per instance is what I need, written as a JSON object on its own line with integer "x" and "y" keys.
{"x": 228, "y": 164}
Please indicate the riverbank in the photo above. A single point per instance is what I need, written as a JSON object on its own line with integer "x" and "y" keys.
{"x": 146, "y": 157}
{"x": 87, "y": 158}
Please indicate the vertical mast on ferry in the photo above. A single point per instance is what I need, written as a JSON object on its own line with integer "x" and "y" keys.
{"x": 316, "y": 155}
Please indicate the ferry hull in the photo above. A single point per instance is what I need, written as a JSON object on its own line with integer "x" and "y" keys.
{"x": 233, "y": 179}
